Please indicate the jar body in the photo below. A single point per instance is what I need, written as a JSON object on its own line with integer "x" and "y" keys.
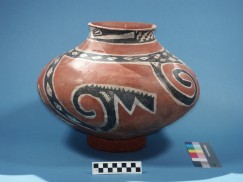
{"x": 119, "y": 84}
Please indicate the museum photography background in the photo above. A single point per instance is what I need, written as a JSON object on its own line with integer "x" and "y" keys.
{"x": 206, "y": 35}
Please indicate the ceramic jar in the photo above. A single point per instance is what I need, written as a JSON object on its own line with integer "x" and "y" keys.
{"x": 118, "y": 86}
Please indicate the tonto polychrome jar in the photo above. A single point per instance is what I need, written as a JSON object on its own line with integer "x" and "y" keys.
{"x": 118, "y": 86}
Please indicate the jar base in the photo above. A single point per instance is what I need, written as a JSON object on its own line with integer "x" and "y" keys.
{"x": 107, "y": 145}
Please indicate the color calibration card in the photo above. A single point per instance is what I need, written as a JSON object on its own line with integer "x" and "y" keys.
{"x": 123, "y": 167}
{"x": 202, "y": 154}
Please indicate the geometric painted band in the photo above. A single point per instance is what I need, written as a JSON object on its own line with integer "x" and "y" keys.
{"x": 169, "y": 71}
{"x": 121, "y": 36}
{"x": 157, "y": 61}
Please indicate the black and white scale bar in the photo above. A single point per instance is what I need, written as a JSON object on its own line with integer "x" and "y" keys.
{"x": 121, "y": 167}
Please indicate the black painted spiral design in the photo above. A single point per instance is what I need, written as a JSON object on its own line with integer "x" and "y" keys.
{"x": 174, "y": 89}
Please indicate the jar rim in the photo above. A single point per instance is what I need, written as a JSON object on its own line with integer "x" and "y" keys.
{"x": 138, "y": 26}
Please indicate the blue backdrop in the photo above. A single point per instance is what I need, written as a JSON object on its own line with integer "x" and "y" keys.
{"x": 207, "y": 35}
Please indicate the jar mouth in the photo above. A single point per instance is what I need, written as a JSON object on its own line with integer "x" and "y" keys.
{"x": 138, "y": 26}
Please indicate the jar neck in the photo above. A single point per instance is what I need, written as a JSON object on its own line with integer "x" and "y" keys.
{"x": 122, "y": 35}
